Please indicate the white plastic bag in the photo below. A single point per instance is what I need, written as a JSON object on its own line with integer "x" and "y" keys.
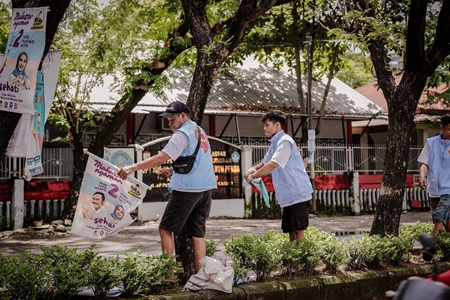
{"x": 212, "y": 275}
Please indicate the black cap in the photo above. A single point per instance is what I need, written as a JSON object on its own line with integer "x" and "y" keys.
{"x": 175, "y": 107}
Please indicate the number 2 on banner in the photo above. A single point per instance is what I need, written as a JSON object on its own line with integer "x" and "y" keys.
{"x": 113, "y": 192}
{"x": 16, "y": 42}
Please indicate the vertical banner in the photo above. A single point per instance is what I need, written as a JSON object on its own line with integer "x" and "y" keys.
{"x": 33, "y": 164}
{"x": 21, "y": 138}
{"x": 26, "y": 43}
{"x": 105, "y": 200}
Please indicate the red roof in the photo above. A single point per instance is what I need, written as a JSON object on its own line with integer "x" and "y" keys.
{"x": 375, "y": 94}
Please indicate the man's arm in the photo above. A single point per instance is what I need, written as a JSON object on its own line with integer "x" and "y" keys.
{"x": 149, "y": 163}
{"x": 423, "y": 176}
{"x": 263, "y": 170}
{"x": 177, "y": 143}
{"x": 253, "y": 170}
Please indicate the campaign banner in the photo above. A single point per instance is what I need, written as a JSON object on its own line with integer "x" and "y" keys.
{"x": 24, "y": 50}
{"x": 19, "y": 143}
{"x": 105, "y": 201}
{"x": 33, "y": 164}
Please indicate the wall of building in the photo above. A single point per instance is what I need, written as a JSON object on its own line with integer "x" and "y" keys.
{"x": 249, "y": 126}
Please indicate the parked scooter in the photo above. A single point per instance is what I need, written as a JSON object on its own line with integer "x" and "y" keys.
{"x": 419, "y": 288}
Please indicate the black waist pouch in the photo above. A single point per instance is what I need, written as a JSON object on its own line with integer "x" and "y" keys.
{"x": 184, "y": 164}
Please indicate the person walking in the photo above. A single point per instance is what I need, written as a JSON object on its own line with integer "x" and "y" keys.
{"x": 435, "y": 175}
{"x": 190, "y": 193}
{"x": 290, "y": 180}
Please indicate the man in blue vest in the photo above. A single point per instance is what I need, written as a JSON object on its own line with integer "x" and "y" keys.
{"x": 290, "y": 180}
{"x": 190, "y": 201}
{"x": 435, "y": 175}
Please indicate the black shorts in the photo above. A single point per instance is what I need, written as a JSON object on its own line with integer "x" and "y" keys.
{"x": 295, "y": 217}
{"x": 190, "y": 209}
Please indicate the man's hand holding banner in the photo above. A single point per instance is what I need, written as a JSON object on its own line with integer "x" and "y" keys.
{"x": 105, "y": 200}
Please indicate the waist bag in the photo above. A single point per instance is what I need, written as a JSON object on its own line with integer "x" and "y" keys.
{"x": 184, "y": 164}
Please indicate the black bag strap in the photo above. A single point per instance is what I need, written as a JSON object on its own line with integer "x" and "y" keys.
{"x": 199, "y": 140}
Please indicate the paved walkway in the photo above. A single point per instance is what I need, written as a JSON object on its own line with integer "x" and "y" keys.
{"x": 145, "y": 236}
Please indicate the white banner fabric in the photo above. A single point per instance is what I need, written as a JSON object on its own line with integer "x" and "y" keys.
{"x": 24, "y": 50}
{"x": 19, "y": 143}
{"x": 105, "y": 200}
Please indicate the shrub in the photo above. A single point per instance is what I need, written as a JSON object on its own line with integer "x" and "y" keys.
{"x": 67, "y": 270}
{"x": 240, "y": 272}
{"x": 146, "y": 271}
{"x": 397, "y": 249}
{"x": 413, "y": 232}
{"x": 260, "y": 254}
{"x": 211, "y": 247}
{"x": 104, "y": 274}
{"x": 240, "y": 249}
{"x": 162, "y": 268}
{"x": 334, "y": 253}
{"x": 3, "y": 271}
{"x": 303, "y": 253}
{"x": 442, "y": 241}
{"x": 366, "y": 252}
{"x": 135, "y": 274}
{"x": 25, "y": 276}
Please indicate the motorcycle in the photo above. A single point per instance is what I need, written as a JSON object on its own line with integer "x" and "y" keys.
{"x": 420, "y": 288}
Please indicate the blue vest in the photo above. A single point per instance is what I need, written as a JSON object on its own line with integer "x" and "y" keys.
{"x": 201, "y": 177}
{"x": 438, "y": 165}
{"x": 291, "y": 183}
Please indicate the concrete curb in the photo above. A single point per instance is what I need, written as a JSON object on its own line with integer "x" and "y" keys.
{"x": 354, "y": 285}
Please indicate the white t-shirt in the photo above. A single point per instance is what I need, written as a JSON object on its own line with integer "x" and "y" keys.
{"x": 424, "y": 155}
{"x": 423, "y": 159}
{"x": 281, "y": 155}
{"x": 177, "y": 144}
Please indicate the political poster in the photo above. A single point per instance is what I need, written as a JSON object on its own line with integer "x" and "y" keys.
{"x": 33, "y": 164}
{"x": 24, "y": 50}
{"x": 106, "y": 201}
{"x": 20, "y": 141}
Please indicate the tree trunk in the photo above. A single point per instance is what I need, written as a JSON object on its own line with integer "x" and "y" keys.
{"x": 389, "y": 206}
{"x": 400, "y": 127}
{"x": 80, "y": 160}
{"x": 8, "y": 123}
{"x": 205, "y": 73}
{"x": 185, "y": 251}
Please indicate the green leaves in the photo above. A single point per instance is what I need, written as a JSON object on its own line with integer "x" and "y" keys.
{"x": 261, "y": 254}
{"x": 141, "y": 272}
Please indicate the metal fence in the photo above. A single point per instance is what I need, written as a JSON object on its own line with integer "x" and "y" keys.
{"x": 57, "y": 164}
{"x": 332, "y": 159}
{"x": 328, "y": 159}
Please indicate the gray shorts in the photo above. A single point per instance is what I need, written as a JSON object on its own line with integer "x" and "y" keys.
{"x": 190, "y": 209}
{"x": 441, "y": 213}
